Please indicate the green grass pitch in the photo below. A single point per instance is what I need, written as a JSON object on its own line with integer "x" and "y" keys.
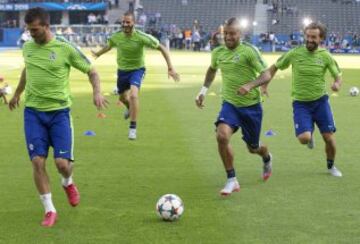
{"x": 176, "y": 152}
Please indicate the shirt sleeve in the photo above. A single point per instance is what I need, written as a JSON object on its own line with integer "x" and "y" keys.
{"x": 333, "y": 67}
{"x": 78, "y": 60}
{"x": 214, "y": 57}
{"x": 256, "y": 61}
{"x": 111, "y": 42}
{"x": 150, "y": 41}
{"x": 284, "y": 61}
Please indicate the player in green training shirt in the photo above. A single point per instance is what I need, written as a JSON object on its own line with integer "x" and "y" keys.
{"x": 130, "y": 45}
{"x": 310, "y": 100}
{"x": 47, "y": 119}
{"x": 239, "y": 62}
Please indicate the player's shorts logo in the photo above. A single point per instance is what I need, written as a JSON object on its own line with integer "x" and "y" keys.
{"x": 31, "y": 147}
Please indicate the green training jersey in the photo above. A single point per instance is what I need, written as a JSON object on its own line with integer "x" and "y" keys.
{"x": 238, "y": 67}
{"x": 308, "y": 71}
{"x": 130, "y": 49}
{"x": 47, "y": 73}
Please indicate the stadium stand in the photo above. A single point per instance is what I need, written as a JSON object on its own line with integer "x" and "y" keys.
{"x": 340, "y": 16}
{"x": 209, "y": 13}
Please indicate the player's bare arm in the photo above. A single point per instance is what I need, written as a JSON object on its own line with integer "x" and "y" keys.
{"x": 209, "y": 78}
{"x": 337, "y": 84}
{"x": 263, "y": 80}
{"x": 101, "y": 51}
{"x": 99, "y": 100}
{"x": 14, "y": 101}
{"x": 171, "y": 71}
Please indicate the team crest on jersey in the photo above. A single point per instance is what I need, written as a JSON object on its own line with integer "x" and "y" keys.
{"x": 319, "y": 61}
{"x": 52, "y": 56}
{"x": 236, "y": 58}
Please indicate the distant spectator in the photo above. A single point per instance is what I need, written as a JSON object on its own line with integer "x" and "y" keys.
{"x": 91, "y": 19}
{"x": 179, "y": 39}
{"x": 158, "y": 17}
{"x": 25, "y": 36}
{"x": 106, "y": 18}
{"x": 187, "y": 35}
{"x": 196, "y": 40}
{"x": 142, "y": 19}
{"x": 217, "y": 38}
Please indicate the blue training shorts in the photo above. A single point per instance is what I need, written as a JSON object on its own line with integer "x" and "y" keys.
{"x": 127, "y": 78}
{"x": 308, "y": 113}
{"x": 248, "y": 118}
{"x": 45, "y": 129}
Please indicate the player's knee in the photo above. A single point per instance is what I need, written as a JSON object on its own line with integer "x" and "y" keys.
{"x": 62, "y": 164}
{"x": 328, "y": 139}
{"x": 38, "y": 164}
{"x": 133, "y": 96}
{"x": 304, "y": 139}
{"x": 222, "y": 138}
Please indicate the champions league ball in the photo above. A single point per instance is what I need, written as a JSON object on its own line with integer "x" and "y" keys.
{"x": 354, "y": 91}
{"x": 169, "y": 207}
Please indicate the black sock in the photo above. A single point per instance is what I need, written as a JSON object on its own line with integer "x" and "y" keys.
{"x": 230, "y": 173}
{"x": 132, "y": 125}
{"x": 266, "y": 159}
{"x": 330, "y": 163}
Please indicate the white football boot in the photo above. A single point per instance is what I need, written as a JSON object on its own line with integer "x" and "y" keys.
{"x": 132, "y": 134}
{"x": 232, "y": 185}
{"x": 335, "y": 172}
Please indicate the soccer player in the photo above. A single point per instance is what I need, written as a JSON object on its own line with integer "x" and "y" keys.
{"x": 310, "y": 100}
{"x": 130, "y": 45}
{"x": 239, "y": 62}
{"x": 47, "y": 118}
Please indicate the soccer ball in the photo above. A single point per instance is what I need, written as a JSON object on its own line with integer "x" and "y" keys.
{"x": 169, "y": 207}
{"x": 354, "y": 91}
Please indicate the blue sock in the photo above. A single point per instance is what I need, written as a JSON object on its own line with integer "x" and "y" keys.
{"x": 230, "y": 173}
{"x": 330, "y": 163}
{"x": 132, "y": 125}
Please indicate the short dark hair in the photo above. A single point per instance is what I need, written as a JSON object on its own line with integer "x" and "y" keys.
{"x": 232, "y": 21}
{"x": 37, "y": 14}
{"x": 317, "y": 25}
{"x": 130, "y": 13}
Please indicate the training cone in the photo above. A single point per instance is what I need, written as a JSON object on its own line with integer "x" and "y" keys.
{"x": 101, "y": 116}
{"x": 270, "y": 133}
{"x": 89, "y": 133}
